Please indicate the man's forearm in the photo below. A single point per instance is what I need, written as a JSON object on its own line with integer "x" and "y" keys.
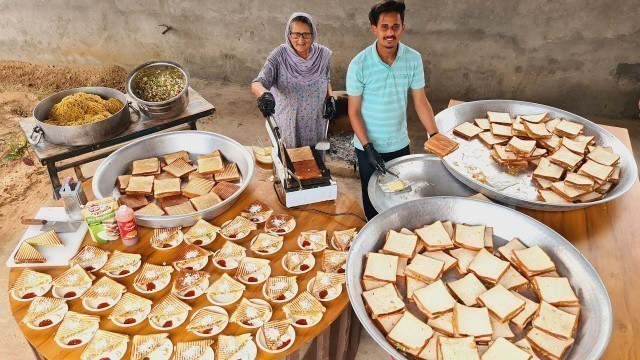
{"x": 425, "y": 113}
{"x": 356, "y": 120}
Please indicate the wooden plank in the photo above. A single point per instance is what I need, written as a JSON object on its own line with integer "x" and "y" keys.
{"x": 140, "y": 125}
{"x": 43, "y": 340}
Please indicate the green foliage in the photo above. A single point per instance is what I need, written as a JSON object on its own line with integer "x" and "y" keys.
{"x": 18, "y": 149}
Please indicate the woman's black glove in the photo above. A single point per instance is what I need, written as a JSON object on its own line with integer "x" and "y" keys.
{"x": 374, "y": 158}
{"x": 330, "y": 111}
{"x": 267, "y": 104}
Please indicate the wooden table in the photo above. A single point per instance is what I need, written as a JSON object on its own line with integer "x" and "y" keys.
{"x": 51, "y": 155}
{"x": 332, "y": 342}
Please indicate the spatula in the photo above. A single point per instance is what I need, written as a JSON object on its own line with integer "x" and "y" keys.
{"x": 58, "y": 226}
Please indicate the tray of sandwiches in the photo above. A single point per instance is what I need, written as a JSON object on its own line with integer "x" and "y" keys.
{"x": 174, "y": 179}
{"x": 535, "y": 156}
{"x": 457, "y": 278}
{"x": 249, "y": 278}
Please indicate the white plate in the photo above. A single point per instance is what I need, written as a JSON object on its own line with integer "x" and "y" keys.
{"x": 198, "y": 291}
{"x": 142, "y": 317}
{"x": 56, "y": 256}
{"x": 304, "y": 248}
{"x": 226, "y": 268}
{"x": 310, "y": 324}
{"x": 180, "y": 239}
{"x": 264, "y": 292}
{"x": 266, "y": 276}
{"x": 59, "y": 316}
{"x": 197, "y": 267}
{"x": 164, "y": 281}
{"x": 260, "y": 302}
{"x": 281, "y": 233}
{"x": 280, "y": 244}
{"x": 335, "y": 247}
{"x": 335, "y": 296}
{"x": 98, "y": 264}
{"x": 87, "y": 335}
{"x": 166, "y": 347}
{"x": 256, "y": 219}
{"x": 231, "y": 301}
{"x": 85, "y": 303}
{"x": 263, "y": 345}
{"x": 313, "y": 263}
{"x": 41, "y": 291}
{"x": 217, "y": 309}
{"x": 237, "y": 238}
{"x": 177, "y": 323}
{"x": 204, "y": 243}
{"x": 118, "y": 352}
{"x": 132, "y": 270}
{"x": 56, "y": 292}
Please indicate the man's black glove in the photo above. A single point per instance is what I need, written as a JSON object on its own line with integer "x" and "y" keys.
{"x": 374, "y": 158}
{"x": 330, "y": 111}
{"x": 267, "y": 104}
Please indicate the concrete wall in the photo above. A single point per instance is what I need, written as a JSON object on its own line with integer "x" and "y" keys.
{"x": 580, "y": 55}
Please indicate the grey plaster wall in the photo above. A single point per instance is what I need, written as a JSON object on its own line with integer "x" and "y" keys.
{"x": 580, "y": 55}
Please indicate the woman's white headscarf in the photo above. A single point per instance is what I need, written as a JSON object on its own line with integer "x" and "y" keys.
{"x": 304, "y": 70}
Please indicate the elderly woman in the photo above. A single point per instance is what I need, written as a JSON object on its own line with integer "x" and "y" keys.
{"x": 294, "y": 85}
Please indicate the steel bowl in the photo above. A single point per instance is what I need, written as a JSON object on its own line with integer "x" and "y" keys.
{"x": 427, "y": 175}
{"x": 473, "y": 156}
{"x": 164, "y": 109}
{"x": 194, "y": 142}
{"x": 87, "y": 134}
{"x": 596, "y": 318}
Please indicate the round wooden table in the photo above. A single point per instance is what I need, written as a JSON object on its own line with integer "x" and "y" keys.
{"x": 260, "y": 188}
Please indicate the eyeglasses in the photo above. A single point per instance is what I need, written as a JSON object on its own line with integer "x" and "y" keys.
{"x": 296, "y": 35}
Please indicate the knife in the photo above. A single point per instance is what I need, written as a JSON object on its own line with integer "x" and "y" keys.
{"x": 58, "y": 226}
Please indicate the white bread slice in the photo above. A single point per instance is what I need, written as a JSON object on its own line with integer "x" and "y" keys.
{"x": 402, "y": 265}
{"x": 548, "y": 170}
{"x": 554, "y": 321}
{"x": 505, "y": 251}
{"x": 424, "y": 268}
{"x": 383, "y": 300}
{"x": 400, "y": 244}
{"x": 435, "y": 237}
{"x": 568, "y": 192}
{"x": 521, "y": 147}
{"x": 596, "y": 171}
{"x": 411, "y": 333}
{"x": 501, "y": 130}
{"x": 449, "y": 261}
{"x": 536, "y": 131}
{"x": 535, "y": 118}
{"x": 501, "y": 303}
{"x": 488, "y": 238}
{"x": 488, "y": 267}
{"x": 533, "y": 261}
{"x": 467, "y": 289}
{"x": 412, "y": 286}
{"x": 565, "y": 158}
{"x": 568, "y": 128}
{"x": 500, "y": 329}
{"x": 499, "y": 117}
{"x": 483, "y": 123}
{"x": 551, "y": 124}
{"x": 513, "y": 280}
{"x": 555, "y": 290}
{"x": 386, "y": 322}
{"x": 521, "y": 320}
{"x": 602, "y": 156}
{"x": 442, "y": 324}
{"x": 430, "y": 351}
{"x": 448, "y": 227}
{"x": 552, "y": 197}
{"x": 578, "y": 147}
{"x": 469, "y": 236}
{"x": 381, "y": 267}
{"x": 372, "y": 284}
{"x": 579, "y": 181}
{"x": 471, "y": 321}
{"x": 552, "y": 144}
{"x": 575, "y": 310}
{"x": 467, "y": 130}
{"x": 464, "y": 257}
{"x": 543, "y": 184}
{"x": 548, "y": 345}
{"x": 502, "y": 349}
{"x": 457, "y": 348}
{"x": 518, "y": 129}
{"x": 434, "y": 299}
{"x": 490, "y": 140}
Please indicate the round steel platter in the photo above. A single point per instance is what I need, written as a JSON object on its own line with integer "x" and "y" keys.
{"x": 596, "y": 319}
{"x": 427, "y": 175}
{"x": 472, "y": 160}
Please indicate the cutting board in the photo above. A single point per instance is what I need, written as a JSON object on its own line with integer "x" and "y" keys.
{"x": 56, "y": 256}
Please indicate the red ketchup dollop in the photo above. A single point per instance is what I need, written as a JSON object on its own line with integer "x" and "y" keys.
{"x": 284, "y": 344}
{"x": 252, "y": 279}
{"x": 306, "y": 243}
{"x": 323, "y": 294}
{"x": 30, "y": 295}
{"x": 45, "y": 322}
{"x": 150, "y": 286}
{"x": 70, "y": 294}
{"x": 123, "y": 272}
{"x": 341, "y": 271}
{"x": 190, "y": 293}
{"x": 167, "y": 324}
{"x": 129, "y": 321}
{"x": 197, "y": 242}
{"x": 103, "y": 305}
{"x": 74, "y": 342}
{"x": 222, "y": 263}
{"x": 304, "y": 267}
{"x": 302, "y": 322}
{"x": 166, "y": 245}
{"x": 89, "y": 268}
{"x": 280, "y": 297}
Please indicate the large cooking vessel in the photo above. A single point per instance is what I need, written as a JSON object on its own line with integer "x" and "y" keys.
{"x": 77, "y": 135}
{"x": 596, "y": 318}
{"x": 194, "y": 142}
{"x": 473, "y": 157}
{"x": 164, "y": 109}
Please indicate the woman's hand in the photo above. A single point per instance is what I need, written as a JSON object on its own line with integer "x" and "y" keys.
{"x": 330, "y": 110}
{"x": 267, "y": 104}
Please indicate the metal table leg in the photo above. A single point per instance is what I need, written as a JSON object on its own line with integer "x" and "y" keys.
{"x": 55, "y": 180}
{"x": 192, "y": 125}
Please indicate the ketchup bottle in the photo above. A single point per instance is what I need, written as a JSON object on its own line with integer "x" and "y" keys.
{"x": 127, "y": 225}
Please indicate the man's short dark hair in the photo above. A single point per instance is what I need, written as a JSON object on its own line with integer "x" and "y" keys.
{"x": 386, "y": 6}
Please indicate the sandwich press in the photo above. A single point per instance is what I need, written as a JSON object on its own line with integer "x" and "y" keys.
{"x": 57, "y": 226}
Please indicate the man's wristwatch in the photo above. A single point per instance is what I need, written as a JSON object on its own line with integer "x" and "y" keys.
{"x": 432, "y": 135}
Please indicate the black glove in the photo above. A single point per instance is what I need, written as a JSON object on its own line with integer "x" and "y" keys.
{"x": 267, "y": 104}
{"x": 330, "y": 111}
{"x": 374, "y": 158}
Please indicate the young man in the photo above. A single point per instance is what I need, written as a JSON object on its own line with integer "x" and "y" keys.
{"x": 378, "y": 81}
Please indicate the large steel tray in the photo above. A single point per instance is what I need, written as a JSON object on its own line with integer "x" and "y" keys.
{"x": 194, "y": 142}
{"x": 427, "y": 175}
{"x": 472, "y": 160}
{"x": 596, "y": 319}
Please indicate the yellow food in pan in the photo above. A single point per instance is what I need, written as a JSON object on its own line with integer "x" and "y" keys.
{"x": 82, "y": 109}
